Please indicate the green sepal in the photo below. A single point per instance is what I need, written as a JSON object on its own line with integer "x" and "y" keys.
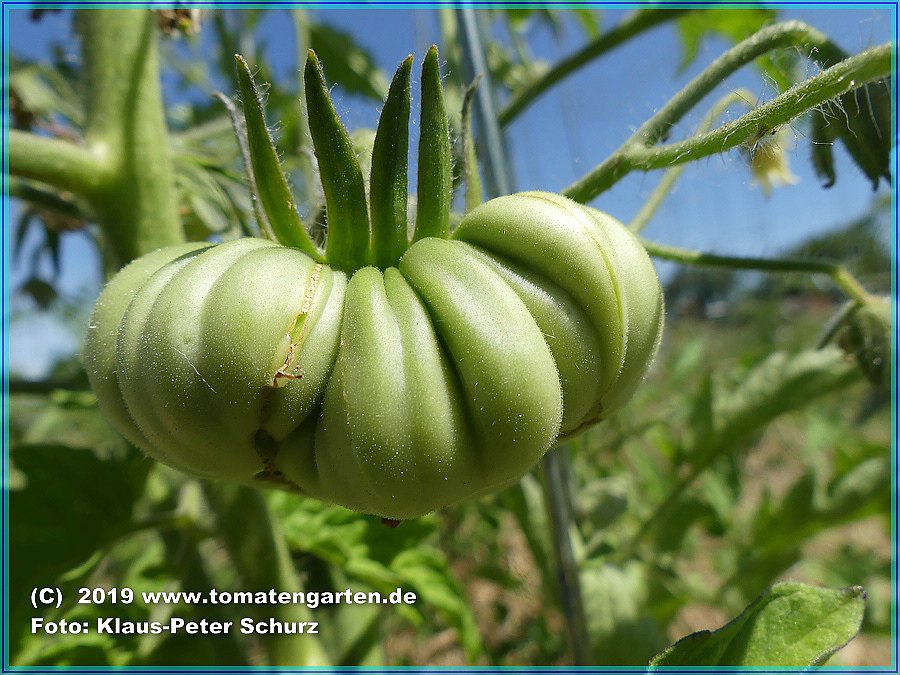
{"x": 347, "y": 247}
{"x": 435, "y": 174}
{"x": 387, "y": 187}
{"x": 267, "y": 178}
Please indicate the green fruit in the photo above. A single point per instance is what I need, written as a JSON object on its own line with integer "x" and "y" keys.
{"x": 390, "y": 392}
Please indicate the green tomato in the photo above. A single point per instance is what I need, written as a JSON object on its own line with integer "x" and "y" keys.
{"x": 390, "y": 392}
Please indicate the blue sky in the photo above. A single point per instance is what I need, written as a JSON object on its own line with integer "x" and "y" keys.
{"x": 567, "y": 132}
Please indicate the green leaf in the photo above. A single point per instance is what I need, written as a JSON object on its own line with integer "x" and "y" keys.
{"x": 382, "y": 557}
{"x": 43, "y": 91}
{"x": 73, "y": 504}
{"x": 21, "y": 230}
{"x": 435, "y": 171}
{"x": 387, "y": 188}
{"x": 791, "y": 624}
{"x": 587, "y": 19}
{"x": 822, "y": 155}
{"x": 735, "y": 25}
{"x": 525, "y": 500}
{"x": 700, "y": 421}
{"x": 347, "y": 247}
{"x": 861, "y": 491}
{"x": 426, "y": 570}
{"x": 42, "y": 292}
{"x": 602, "y": 501}
{"x": 348, "y": 63}
{"x": 779, "y": 384}
{"x": 268, "y": 180}
{"x": 620, "y": 629}
{"x": 861, "y": 120}
{"x": 72, "y": 418}
{"x": 781, "y": 68}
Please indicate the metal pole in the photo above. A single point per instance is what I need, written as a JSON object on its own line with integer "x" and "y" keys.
{"x": 498, "y": 180}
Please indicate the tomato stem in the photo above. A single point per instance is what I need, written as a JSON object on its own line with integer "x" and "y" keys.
{"x": 840, "y": 275}
{"x": 247, "y": 528}
{"x": 639, "y": 152}
{"x": 123, "y": 168}
{"x": 664, "y": 187}
{"x": 53, "y": 161}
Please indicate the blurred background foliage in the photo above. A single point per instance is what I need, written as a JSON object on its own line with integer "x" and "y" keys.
{"x": 750, "y": 455}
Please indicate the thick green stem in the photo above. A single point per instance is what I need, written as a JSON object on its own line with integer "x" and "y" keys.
{"x": 632, "y": 26}
{"x": 135, "y": 200}
{"x": 839, "y": 274}
{"x": 638, "y": 152}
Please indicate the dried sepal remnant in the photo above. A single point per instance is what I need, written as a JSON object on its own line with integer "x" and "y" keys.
{"x": 290, "y": 369}
{"x": 267, "y": 450}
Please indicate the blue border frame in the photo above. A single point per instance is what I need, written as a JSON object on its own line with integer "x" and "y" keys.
{"x": 399, "y": 4}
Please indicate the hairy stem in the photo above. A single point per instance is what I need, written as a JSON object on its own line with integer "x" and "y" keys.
{"x": 787, "y": 34}
{"x": 662, "y": 189}
{"x": 633, "y": 25}
{"x": 839, "y": 274}
{"x": 638, "y": 151}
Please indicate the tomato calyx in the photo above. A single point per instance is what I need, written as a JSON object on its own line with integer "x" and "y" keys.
{"x": 362, "y": 231}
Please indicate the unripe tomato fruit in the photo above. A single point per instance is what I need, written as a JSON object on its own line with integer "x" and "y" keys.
{"x": 390, "y": 392}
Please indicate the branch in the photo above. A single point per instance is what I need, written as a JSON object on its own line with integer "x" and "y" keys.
{"x": 630, "y": 27}
{"x": 636, "y": 153}
{"x": 787, "y": 34}
{"x": 662, "y": 189}
{"x": 55, "y": 162}
{"x": 839, "y": 274}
